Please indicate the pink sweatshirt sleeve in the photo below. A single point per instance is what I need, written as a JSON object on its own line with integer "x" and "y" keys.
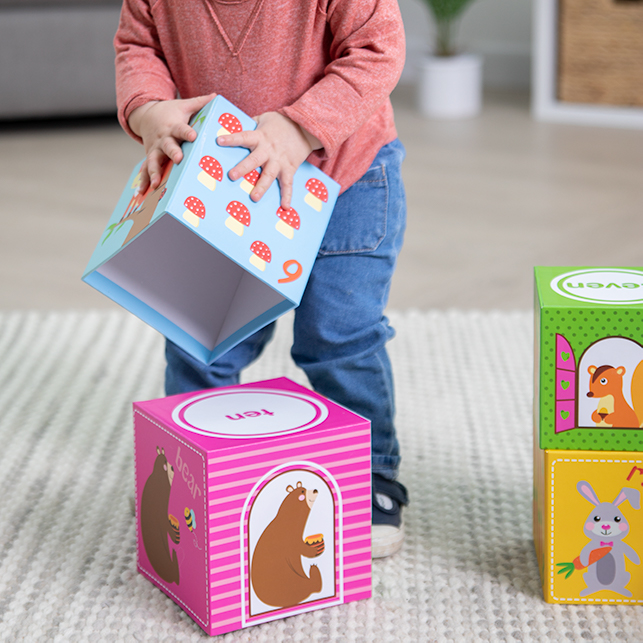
{"x": 367, "y": 54}
{"x": 142, "y": 74}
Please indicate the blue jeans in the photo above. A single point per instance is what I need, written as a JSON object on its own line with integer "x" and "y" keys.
{"x": 340, "y": 330}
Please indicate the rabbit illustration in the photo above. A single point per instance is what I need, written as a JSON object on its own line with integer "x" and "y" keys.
{"x": 606, "y": 526}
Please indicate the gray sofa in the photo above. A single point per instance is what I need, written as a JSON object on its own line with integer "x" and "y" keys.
{"x": 57, "y": 58}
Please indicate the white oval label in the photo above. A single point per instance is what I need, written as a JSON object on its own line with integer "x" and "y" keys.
{"x": 248, "y": 412}
{"x": 616, "y": 286}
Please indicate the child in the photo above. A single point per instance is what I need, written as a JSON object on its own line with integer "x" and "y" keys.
{"x": 317, "y": 77}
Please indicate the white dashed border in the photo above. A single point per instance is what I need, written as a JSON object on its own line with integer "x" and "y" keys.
{"x": 205, "y": 624}
{"x": 552, "y": 571}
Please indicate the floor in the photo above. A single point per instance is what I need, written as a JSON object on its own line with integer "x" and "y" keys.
{"x": 488, "y": 199}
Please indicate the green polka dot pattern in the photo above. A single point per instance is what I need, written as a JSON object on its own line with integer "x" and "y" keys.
{"x": 581, "y": 327}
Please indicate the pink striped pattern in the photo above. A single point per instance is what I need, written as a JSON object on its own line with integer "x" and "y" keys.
{"x": 277, "y": 445}
{"x": 345, "y": 453}
{"x": 338, "y": 549}
{"x": 238, "y": 471}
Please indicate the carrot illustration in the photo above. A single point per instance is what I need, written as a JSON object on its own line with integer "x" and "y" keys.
{"x": 594, "y": 556}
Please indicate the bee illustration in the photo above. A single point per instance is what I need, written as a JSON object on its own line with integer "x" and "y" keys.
{"x": 190, "y": 518}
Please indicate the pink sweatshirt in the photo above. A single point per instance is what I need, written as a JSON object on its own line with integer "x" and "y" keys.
{"x": 328, "y": 65}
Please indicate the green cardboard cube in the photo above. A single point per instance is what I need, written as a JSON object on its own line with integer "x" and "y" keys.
{"x": 589, "y": 358}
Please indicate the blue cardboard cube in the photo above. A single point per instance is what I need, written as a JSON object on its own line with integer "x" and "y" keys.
{"x": 196, "y": 258}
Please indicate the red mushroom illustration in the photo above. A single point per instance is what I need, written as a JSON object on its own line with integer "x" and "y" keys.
{"x": 288, "y": 222}
{"x": 195, "y": 211}
{"x": 239, "y": 217}
{"x": 317, "y": 193}
{"x": 229, "y": 125}
{"x": 211, "y": 172}
{"x": 249, "y": 181}
{"x": 261, "y": 255}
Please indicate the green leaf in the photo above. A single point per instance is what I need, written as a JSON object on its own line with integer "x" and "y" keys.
{"x": 566, "y": 568}
{"x": 198, "y": 119}
{"x": 447, "y": 10}
{"x": 110, "y": 229}
{"x": 446, "y": 13}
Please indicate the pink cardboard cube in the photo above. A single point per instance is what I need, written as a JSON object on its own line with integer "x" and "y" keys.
{"x": 253, "y": 502}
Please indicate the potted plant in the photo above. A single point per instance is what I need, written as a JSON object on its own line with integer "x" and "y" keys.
{"x": 450, "y": 82}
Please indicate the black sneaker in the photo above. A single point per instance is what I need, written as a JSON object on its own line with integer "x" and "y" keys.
{"x": 387, "y": 532}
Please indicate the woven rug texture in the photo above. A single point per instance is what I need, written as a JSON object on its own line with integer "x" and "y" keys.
{"x": 467, "y": 571}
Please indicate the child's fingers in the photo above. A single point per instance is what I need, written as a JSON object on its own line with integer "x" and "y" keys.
{"x": 144, "y": 181}
{"x": 256, "y": 158}
{"x": 269, "y": 173}
{"x": 285, "y": 185}
{"x": 242, "y": 168}
{"x": 278, "y": 146}
{"x": 171, "y": 149}
{"x": 155, "y": 161}
{"x": 193, "y": 105}
{"x": 182, "y": 132}
{"x": 248, "y": 139}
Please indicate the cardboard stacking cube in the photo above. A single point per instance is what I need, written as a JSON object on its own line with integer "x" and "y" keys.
{"x": 589, "y": 358}
{"x": 588, "y": 526}
{"x": 196, "y": 258}
{"x": 588, "y": 412}
{"x": 253, "y": 502}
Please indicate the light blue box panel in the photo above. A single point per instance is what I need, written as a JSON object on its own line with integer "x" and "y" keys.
{"x": 196, "y": 258}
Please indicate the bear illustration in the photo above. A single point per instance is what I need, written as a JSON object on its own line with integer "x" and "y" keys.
{"x": 277, "y": 575}
{"x": 156, "y": 524}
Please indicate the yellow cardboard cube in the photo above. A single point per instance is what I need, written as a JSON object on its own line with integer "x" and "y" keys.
{"x": 588, "y": 526}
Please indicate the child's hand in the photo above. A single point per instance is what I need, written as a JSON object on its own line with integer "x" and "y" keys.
{"x": 163, "y": 126}
{"x": 278, "y": 146}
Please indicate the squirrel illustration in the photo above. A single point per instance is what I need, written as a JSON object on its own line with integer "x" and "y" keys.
{"x": 613, "y": 410}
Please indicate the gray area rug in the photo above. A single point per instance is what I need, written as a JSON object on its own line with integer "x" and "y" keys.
{"x": 467, "y": 571}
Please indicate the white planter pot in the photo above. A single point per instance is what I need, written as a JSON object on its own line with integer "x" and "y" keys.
{"x": 450, "y": 86}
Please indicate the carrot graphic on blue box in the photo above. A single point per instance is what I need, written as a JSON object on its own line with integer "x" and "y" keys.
{"x": 156, "y": 523}
{"x": 278, "y": 577}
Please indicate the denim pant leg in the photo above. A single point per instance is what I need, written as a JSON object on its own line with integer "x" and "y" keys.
{"x": 340, "y": 329}
{"x": 184, "y": 373}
